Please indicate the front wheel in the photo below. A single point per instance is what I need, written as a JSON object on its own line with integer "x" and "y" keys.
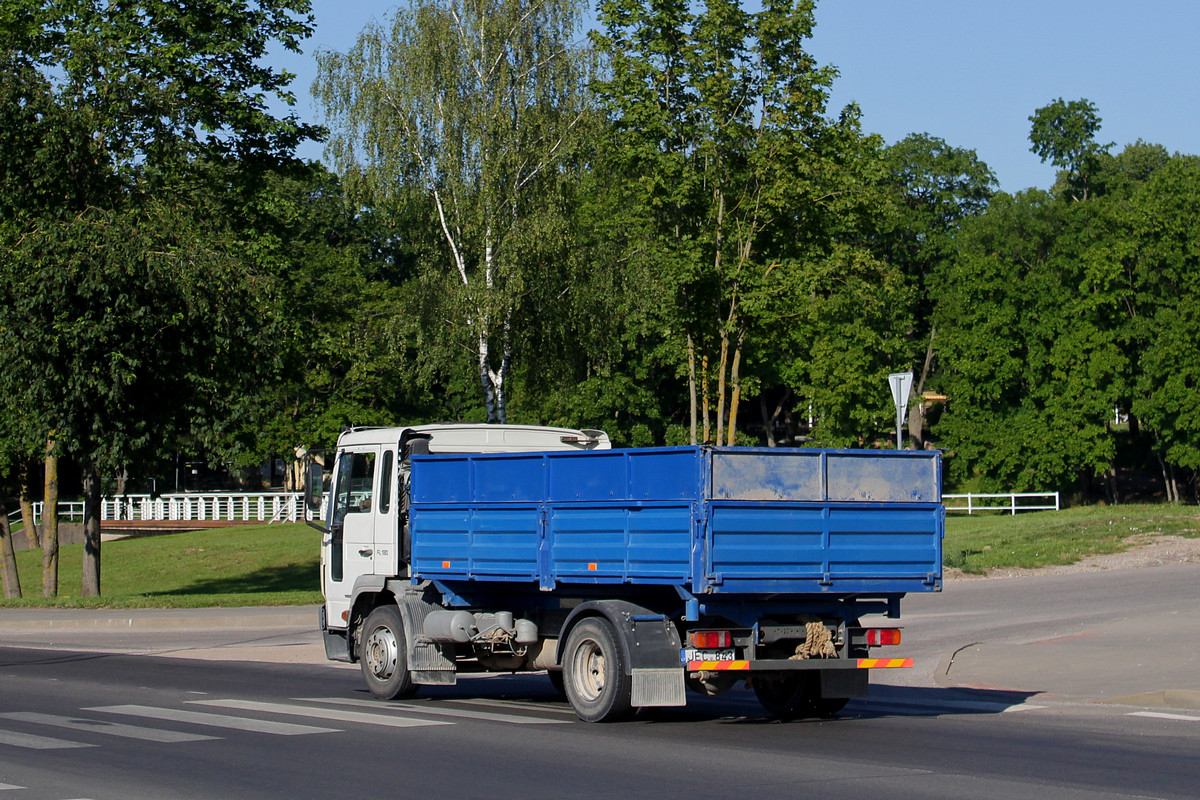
{"x": 383, "y": 657}
{"x": 594, "y": 676}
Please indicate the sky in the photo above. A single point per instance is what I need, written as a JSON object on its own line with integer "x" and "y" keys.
{"x": 968, "y": 71}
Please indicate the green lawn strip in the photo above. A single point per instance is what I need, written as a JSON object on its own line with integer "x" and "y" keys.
{"x": 1047, "y": 538}
{"x": 256, "y": 565}
{"x": 244, "y": 565}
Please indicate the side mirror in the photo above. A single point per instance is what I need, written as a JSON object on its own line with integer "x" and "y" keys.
{"x": 314, "y": 487}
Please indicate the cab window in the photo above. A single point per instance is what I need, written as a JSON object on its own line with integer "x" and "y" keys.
{"x": 356, "y": 476}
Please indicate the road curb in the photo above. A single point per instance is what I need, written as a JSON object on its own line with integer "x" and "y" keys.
{"x": 158, "y": 619}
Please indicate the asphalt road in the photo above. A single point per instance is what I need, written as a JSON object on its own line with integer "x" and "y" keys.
{"x": 1012, "y": 698}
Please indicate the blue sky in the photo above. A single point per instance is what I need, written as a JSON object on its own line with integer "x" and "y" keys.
{"x": 969, "y": 71}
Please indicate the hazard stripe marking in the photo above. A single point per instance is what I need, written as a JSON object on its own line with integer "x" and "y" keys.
{"x": 717, "y": 665}
{"x": 863, "y": 663}
{"x": 884, "y": 663}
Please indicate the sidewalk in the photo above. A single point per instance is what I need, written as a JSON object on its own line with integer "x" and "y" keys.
{"x": 181, "y": 619}
{"x": 267, "y": 634}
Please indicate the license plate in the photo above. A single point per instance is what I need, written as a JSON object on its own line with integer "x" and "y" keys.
{"x": 690, "y": 654}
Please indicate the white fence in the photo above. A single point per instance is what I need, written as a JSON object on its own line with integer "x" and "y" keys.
{"x": 1016, "y": 502}
{"x": 214, "y": 507}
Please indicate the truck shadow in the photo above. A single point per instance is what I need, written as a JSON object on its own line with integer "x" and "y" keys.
{"x": 534, "y": 692}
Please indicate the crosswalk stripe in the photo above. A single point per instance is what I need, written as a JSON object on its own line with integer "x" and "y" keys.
{"x": 32, "y": 742}
{"x": 435, "y": 710}
{"x": 1164, "y": 715}
{"x": 214, "y": 720}
{"x": 515, "y": 704}
{"x": 105, "y": 727}
{"x": 321, "y": 713}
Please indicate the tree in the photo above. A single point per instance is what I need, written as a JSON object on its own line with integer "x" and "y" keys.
{"x": 1163, "y": 324}
{"x": 1064, "y": 133}
{"x": 937, "y": 188}
{"x": 122, "y": 109}
{"x": 480, "y": 107}
{"x": 1030, "y": 359}
{"x": 738, "y": 184}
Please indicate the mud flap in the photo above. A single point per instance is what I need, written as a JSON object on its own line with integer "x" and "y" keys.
{"x": 427, "y": 661}
{"x": 836, "y": 683}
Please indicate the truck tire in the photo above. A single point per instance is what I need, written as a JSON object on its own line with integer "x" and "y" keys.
{"x": 786, "y": 696}
{"x": 594, "y": 676}
{"x": 795, "y": 695}
{"x": 826, "y": 707}
{"x": 382, "y": 655}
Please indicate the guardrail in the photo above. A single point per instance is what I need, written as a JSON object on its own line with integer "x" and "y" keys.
{"x": 207, "y": 507}
{"x": 1012, "y": 506}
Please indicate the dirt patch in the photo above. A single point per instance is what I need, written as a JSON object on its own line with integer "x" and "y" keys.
{"x": 1145, "y": 550}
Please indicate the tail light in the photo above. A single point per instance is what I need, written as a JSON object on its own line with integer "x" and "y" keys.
{"x": 881, "y": 636}
{"x": 711, "y": 640}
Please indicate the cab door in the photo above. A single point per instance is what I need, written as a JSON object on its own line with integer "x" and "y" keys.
{"x": 350, "y": 542}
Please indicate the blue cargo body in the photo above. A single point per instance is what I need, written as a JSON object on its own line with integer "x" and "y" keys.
{"x": 707, "y": 520}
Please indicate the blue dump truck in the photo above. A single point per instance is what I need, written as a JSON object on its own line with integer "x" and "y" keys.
{"x": 629, "y": 576}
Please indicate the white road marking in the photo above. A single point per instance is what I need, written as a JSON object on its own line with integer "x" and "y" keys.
{"x": 214, "y": 720}
{"x": 1164, "y": 715}
{"x": 321, "y": 713}
{"x": 6, "y": 786}
{"x": 514, "y": 704}
{"x": 31, "y": 742}
{"x": 108, "y": 728}
{"x": 947, "y": 705}
{"x": 434, "y": 710}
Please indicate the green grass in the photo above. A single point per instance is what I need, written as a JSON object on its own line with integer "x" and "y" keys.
{"x": 244, "y": 565}
{"x": 1047, "y": 538}
{"x": 278, "y": 564}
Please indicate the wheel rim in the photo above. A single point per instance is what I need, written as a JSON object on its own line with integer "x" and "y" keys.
{"x": 380, "y": 653}
{"x": 590, "y": 676}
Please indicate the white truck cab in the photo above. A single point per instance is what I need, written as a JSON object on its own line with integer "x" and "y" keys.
{"x": 364, "y": 542}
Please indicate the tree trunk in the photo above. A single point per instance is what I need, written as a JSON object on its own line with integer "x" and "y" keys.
{"x": 735, "y": 382}
{"x": 26, "y": 499}
{"x": 916, "y": 410}
{"x": 722, "y": 365}
{"x": 1166, "y": 476}
{"x": 691, "y": 353}
{"x": 90, "y": 586}
{"x": 768, "y": 419}
{"x": 50, "y": 524}
{"x": 704, "y": 389}
{"x": 8, "y": 558}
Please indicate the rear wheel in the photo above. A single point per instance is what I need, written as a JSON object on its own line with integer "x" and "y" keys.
{"x": 795, "y": 695}
{"x": 594, "y": 675}
{"x": 786, "y": 696}
{"x": 383, "y": 656}
{"x": 826, "y": 707}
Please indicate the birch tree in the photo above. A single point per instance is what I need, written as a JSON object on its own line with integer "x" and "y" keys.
{"x": 478, "y": 106}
